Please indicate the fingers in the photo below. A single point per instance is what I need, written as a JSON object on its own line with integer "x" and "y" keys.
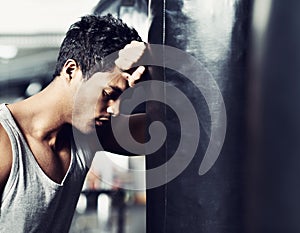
{"x": 130, "y": 54}
{"x": 136, "y": 75}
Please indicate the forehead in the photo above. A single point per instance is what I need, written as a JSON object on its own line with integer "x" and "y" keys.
{"x": 109, "y": 79}
{"x": 117, "y": 80}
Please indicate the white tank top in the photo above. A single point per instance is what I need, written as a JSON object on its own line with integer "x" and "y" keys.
{"x": 31, "y": 201}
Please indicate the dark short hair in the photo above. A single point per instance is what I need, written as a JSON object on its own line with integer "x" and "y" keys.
{"x": 91, "y": 39}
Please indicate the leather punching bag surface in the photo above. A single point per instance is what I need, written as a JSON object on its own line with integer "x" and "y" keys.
{"x": 214, "y": 32}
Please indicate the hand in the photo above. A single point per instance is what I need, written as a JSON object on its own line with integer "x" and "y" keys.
{"x": 128, "y": 56}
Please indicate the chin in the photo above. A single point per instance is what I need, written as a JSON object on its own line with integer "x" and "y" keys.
{"x": 86, "y": 129}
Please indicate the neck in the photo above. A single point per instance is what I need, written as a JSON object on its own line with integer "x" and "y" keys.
{"x": 43, "y": 115}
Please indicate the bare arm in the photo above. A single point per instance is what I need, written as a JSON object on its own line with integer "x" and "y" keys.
{"x": 5, "y": 158}
{"x": 137, "y": 126}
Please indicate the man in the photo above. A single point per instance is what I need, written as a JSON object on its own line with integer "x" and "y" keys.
{"x": 42, "y": 167}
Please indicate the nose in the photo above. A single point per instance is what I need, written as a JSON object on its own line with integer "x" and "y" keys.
{"x": 113, "y": 107}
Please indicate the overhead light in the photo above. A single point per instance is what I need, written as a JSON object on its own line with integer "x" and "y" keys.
{"x": 8, "y": 51}
{"x": 33, "y": 88}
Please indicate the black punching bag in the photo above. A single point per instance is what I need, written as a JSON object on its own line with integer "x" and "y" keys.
{"x": 207, "y": 196}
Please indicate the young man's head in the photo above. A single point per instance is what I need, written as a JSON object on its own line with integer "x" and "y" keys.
{"x": 94, "y": 84}
{"x": 91, "y": 39}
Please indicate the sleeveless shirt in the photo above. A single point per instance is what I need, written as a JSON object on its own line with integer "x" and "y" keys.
{"x": 31, "y": 202}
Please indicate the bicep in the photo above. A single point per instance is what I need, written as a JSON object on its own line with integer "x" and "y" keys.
{"x": 5, "y": 158}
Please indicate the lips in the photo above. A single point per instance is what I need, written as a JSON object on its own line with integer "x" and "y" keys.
{"x": 102, "y": 119}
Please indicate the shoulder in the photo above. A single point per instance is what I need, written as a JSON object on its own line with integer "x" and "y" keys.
{"x": 5, "y": 157}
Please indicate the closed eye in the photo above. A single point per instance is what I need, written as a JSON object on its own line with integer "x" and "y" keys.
{"x": 111, "y": 94}
{"x": 116, "y": 92}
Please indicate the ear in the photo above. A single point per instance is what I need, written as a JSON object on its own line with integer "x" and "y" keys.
{"x": 69, "y": 69}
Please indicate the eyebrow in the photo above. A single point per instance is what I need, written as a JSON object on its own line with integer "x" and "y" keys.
{"x": 116, "y": 89}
